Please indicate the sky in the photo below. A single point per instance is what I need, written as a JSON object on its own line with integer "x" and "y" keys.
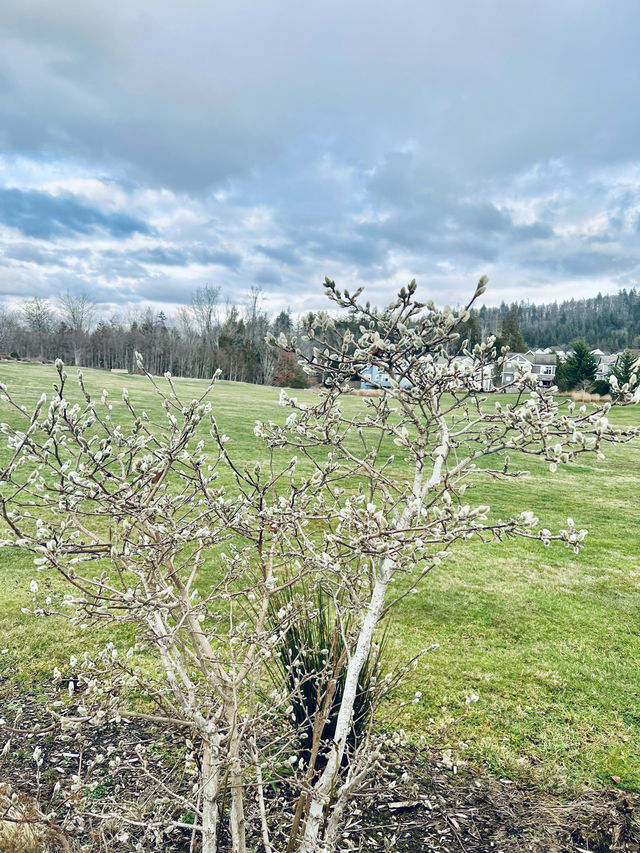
{"x": 150, "y": 147}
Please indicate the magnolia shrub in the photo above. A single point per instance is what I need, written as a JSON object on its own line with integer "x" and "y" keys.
{"x": 214, "y": 566}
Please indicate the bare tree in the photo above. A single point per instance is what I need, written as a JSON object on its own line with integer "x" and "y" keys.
{"x": 204, "y": 307}
{"x": 39, "y": 318}
{"x": 77, "y": 312}
{"x": 9, "y": 327}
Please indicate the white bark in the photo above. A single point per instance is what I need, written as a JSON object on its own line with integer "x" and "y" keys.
{"x": 210, "y": 784}
{"x": 323, "y": 786}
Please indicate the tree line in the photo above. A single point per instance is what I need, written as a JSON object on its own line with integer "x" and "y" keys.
{"x": 210, "y": 334}
{"x": 204, "y": 336}
{"x": 609, "y": 322}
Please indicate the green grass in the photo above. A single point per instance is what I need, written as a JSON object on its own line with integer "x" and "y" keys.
{"x": 549, "y": 641}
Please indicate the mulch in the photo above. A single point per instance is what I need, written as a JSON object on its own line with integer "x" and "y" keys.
{"x": 473, "y": 812}
{"x": 433, "y": 811}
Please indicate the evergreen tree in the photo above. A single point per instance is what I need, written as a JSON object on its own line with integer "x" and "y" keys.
{"x": 470, "y": 331}
{"x": 282, "y": 324}
{"x": 511, "y": 334}
{"x": 499, "y": 343}
{"x": 624, "y": 368}
{"x": 561, "y": 374}
{"x": 580, "y": 367}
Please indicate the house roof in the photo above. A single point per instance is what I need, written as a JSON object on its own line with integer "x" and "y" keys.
{"x": 541, "y": 357}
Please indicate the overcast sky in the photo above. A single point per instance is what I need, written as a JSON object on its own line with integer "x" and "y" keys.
{"x": 148, "y": 147}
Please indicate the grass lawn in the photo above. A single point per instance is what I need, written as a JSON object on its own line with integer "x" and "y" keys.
{"x": 549, "y": 641}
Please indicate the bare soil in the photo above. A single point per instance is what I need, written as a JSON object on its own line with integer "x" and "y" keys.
{"x": 433, "y": 811}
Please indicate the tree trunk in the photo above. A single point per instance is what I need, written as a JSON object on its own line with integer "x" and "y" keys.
{"x": 322, "y": 788}
{"x": 210, "y": 785}
{"x": 236, "y": 818}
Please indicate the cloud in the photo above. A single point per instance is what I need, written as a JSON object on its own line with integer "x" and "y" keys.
{"x": 162, "y": 257}
{"x": 286, "y": 254}
{"x": 190, "y": 98}
{"x": 32, "y": 254}
{"x": 217, "y": 258}
{"x": 151, "y": 148}
{"x": 268, "y": 277}
{"x": 45, "y": 216}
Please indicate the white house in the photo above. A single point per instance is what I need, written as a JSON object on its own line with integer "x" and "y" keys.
{"x": 373, "y": 377}
{"x": 541, "y": 364}
{"x": 605, "y": 363}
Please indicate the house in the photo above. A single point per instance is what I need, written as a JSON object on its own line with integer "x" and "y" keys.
{"x": 605, "y": 363}
{"x": 513, "y": 363}
{"x": 483, "y": 373}
{"x": 543, "y": 367}
{"x": 373, "y": 376}
{"x": 541, "y": 364}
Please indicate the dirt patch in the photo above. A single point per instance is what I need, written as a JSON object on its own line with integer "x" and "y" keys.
{"x": 476, "y": 813}
{"x": 430, "y": 809}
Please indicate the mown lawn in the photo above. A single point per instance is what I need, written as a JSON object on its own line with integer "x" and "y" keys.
{"x": 548, "y": 640}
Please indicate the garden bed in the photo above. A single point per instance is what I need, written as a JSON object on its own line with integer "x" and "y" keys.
{"x": 421, "y": 805}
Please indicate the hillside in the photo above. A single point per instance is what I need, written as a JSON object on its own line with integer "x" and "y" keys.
{"x": 609, "y": 323}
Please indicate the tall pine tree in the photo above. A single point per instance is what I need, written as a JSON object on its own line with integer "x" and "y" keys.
{"x": 511, "y": 335}
{"x": 624, "y": 367}
{"x": 580, "y": 367}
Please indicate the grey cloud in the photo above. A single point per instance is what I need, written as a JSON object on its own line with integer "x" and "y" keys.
{"x": 34, "y": 254}
{"x": 44, "y": 216}
{"x": 535, "y": 231}
{"x": 184, "y": 257}
{"x": 220, "y": 258}
{"x": 268, "y": 276}
{"x": 485, "y": 89}
{"x": 349, "y": 247}
{"x": 584, "y": 263}
{"x": 283, "y": 254}
{"x": 113, "y": 263}
{"x": 485, "y": 218}
{"x": 447, "y": 223}
{"x": 171, "y": 291}
{"x": 172, "y": 257}
{"x": 161, "y": 256}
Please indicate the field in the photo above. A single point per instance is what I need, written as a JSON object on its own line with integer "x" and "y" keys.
{"x": 549, "y": 641}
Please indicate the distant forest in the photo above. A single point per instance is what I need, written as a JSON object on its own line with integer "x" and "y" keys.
{"x": 209, "y": 334}
{"x": 202, "y": 337}
{"x": 610, "y": 323}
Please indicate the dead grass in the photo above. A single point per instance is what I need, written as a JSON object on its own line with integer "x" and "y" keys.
{"x": 365, "y": 392}
{"x": 586, "y": 397}
{"x": 24, "y": 828}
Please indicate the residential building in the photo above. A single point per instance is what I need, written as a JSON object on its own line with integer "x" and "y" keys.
{"x": 605, "y": 363}
{"x": 373, "y": 377}
{"x": 541, "y": 364}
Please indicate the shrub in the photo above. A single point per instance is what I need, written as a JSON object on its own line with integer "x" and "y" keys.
{"x": 126, "y": 513}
